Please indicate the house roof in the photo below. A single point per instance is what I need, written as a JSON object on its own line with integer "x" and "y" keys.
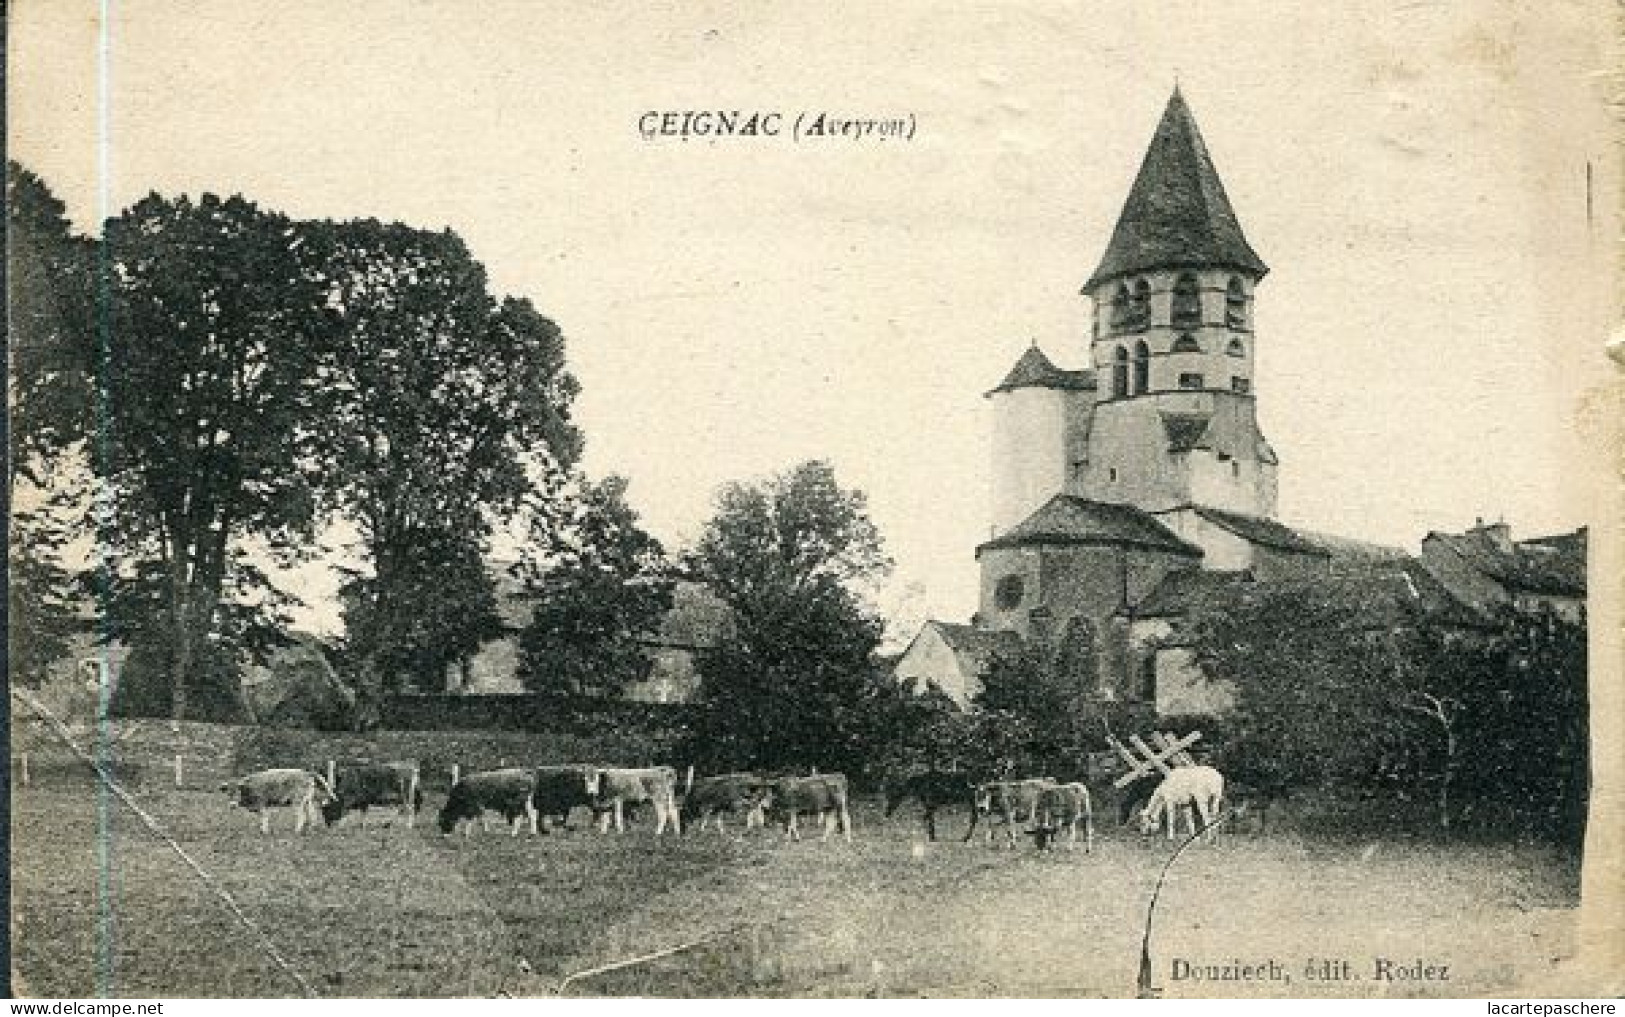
{"x": 1259, "y": 530}
{"x": 1551, "y": 565}
{"x": 1068, "y": 519}
{"x": 1177, "y": 214}
{"x": 975, "y": 648}
{"x": 1347, "y": 549}
{"x": 1035, "y": 370}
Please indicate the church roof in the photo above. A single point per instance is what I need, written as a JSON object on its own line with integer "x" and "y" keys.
{"x": 1035, "y": 370}
{"x": 1259, "y": 530}
{"x": 1191, "y": 591}
{"x": 1068, "y": 519}
{"x": 1177, "y": 214}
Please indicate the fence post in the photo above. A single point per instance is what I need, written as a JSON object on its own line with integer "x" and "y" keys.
{"x": 454, "y": 772}
{"x": 25, "y": 769}
{"x": 179, "y": 774}
{"x": 331, "y": 778}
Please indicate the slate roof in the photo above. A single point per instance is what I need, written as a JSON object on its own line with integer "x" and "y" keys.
{"x": 1550, "y": 565}
{"x": 1068, "y": 519}
{"x": 1258, "y": 530}
{"x": 1177, "y": 214}
{"x": 1347, "y": 549}
{"x": 1035, "y": 370}
{"x": 975, "y": 648}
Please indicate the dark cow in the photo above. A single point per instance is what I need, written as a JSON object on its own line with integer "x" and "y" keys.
{"x": 1063, "y": 807}
{"x": 510, "y": 792}
{"x": 561, "y": 788}
{"x": 743, "y": 794}
{"x": 822, "y": 795}
{"x": 620, "y": 789}
{"x": 932, "y": 789}
{"x": 300, "y": 791}
{"x": 1010, "y": 802}
{"x": 360, "y": 785}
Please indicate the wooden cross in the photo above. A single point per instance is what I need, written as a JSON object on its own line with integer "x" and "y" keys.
{"x": 1168, "y": 749}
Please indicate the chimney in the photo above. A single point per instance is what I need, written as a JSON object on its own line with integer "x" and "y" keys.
{"x": 1498, "y": 533}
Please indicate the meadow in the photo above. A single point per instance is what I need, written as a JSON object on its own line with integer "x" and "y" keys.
{"x": 387, "y": 911}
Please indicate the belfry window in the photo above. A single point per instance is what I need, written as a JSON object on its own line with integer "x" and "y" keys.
{"x": 1119, "y": 373}
{"x": 1186, "y": 343}
{"x": 1140, "y": 306}
{"x": 1236, "y": 348}
{"x": 1235, "y": 304}
{"x": 1187, "y": 307}
{"x": 1008, "y": 593}
{"x": 1121, "y": 313}
{"x": 1142, "y": 367}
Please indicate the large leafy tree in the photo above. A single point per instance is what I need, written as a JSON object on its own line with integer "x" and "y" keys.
{"x": 215, "y": 318}
{"x": 795, "y": 684}
{"x": 602, "y": 586}
{"x": 50, "y": 299}
{"x": 441, "y": 406}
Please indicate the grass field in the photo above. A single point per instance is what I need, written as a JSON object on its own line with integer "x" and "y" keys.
{"x": 384, "y": 911}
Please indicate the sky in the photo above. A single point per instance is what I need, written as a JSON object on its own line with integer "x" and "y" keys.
{"x": 1415, "y": 174}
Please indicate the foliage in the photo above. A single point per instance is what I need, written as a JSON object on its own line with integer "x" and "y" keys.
{"x": 215, "y": 318}
{"x": 436, "y": 399}
{"x": 1038, "y": 711}
{"x": 797, "y": 684}
{"x": 603, "y": 589}
{"x": 1483, "y": 719}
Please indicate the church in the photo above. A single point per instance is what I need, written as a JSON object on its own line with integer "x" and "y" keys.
{"x": 1133, "y": 492}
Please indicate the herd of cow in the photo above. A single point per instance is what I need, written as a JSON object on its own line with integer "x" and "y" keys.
{"x": 539, "y": 796}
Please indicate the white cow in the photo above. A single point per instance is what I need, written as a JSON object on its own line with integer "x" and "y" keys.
{"x": 300, "y": 790}
{"x": 1199, "y": 789}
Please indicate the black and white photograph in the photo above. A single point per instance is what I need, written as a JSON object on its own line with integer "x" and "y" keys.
{"x": 1035, "y": 499}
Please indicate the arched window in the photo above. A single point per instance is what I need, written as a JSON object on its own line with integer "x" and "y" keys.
{"x": 1122, "y": 315}
{"x": 1235, "y": 304}
{"x": 1186, "y": 343}
{"x": 1140, "y": 306}
{"x": 1187, "y": 308}
{"x": 1120, "y": 373}
{"x": 1236, "y": 348}
{"x": 1142, "y": 367}
{"x": 1008, "y": 592}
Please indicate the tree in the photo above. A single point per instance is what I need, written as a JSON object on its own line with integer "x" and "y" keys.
{"x": 604, "y": 588}
{"x": 793, "y": 685}
{"x": 215, "y": 318}
{"x": 51, "y": 347}
{"x": 1037, "y": 710}
{"x": 439, "y": 403}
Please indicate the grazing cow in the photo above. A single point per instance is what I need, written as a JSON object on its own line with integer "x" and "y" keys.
{"x": 932, "y": 789}
{"x": 300, "y": 790}
{"x": 620, "y": 789}
{"x": 1010, "y": 801}
{"x": 1197, "y": 788}
{"x": 360, "y": 785}
{"x": 564, "y": 787}
{"x": 823, "y": 795}
{"x": 1063, "y": 807}
{"x": 510, "y": 792}
{"x": 729, "y": 793}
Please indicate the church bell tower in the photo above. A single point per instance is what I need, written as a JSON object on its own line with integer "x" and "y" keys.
{"x": 1172, "y": 345}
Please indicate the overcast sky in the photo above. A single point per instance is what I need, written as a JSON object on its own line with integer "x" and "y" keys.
{"x": 1413, "y": 173}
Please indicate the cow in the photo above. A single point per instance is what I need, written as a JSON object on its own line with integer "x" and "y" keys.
{"x": 932, "y": 789}
{"x": 1010, "y": 801}
{"x": 619, "y": 789}
{"x": 360, "y": 785}
{"x": 823, "y": 795}
{"x": 510, "y": 792}
{"x": 710, "y": 798}
{"x": 1197, "y": 788}
{"x": 563, "y": 787}
{"x": 300, "y": 790}
{"x": 1063, "y": 807}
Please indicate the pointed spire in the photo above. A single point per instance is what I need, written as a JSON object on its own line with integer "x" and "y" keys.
{"x": 1035, "y": 370}
{"x": 1177, "y": 214}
